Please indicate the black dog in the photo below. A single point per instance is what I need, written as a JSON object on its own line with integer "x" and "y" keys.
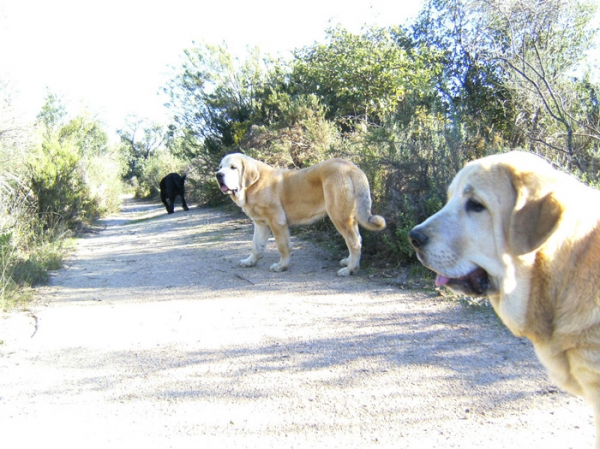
{"x": 171, "y": 186}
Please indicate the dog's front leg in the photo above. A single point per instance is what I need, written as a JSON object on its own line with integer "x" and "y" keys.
{"x": 282, "y": 238}
{"x": 259, "y": 244}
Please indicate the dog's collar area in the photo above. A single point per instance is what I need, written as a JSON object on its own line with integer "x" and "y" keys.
{"x": 477, "y": 282}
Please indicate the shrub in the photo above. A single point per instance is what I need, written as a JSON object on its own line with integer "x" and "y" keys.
{"x": 57, "y": 182}
{"x": 153, "y": 169}
{"x": 103, "y": 176}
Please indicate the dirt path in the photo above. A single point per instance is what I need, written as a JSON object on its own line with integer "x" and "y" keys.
{"x": 153, "y": 337}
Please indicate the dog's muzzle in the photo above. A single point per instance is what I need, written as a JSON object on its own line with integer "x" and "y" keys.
{"x": 221, "y": 181}
{"x": 477, "y": 282}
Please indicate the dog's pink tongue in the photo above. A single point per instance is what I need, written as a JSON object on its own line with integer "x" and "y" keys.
{"x": 224, "y": 189}
{"x": 441, "y": 280}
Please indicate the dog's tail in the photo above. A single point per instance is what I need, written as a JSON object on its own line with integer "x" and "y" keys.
{"x": 363, "y": 203}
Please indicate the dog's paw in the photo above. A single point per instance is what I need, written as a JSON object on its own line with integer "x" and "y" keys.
{"x": 276, "y": 267}
{"x": 347, "y": 271}
{"x": 249, "y": 262}
{"x": 344, "y": 263}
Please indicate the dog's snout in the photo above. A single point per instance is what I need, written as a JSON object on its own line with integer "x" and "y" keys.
{"x": 417, "y": 238}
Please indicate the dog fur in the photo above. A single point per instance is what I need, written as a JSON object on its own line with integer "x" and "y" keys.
{"x": 171, "y": 186}
{"x": 527, "y": 236}
{"x": 278, "y": 198}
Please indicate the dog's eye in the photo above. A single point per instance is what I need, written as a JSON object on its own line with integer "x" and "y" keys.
{"x": 233, "y": 167}
{"x": 474, "y": 206}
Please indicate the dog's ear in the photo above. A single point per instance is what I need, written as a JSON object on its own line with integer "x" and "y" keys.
{"x": 536, "y": 214}
{"x": 250, "y": 173}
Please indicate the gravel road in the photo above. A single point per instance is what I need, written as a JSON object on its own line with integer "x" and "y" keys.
{"x": 151, "y": 336}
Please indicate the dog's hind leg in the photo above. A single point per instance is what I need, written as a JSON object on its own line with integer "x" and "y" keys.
{"x": 342, "y": 212}
{"x": 182, "y": 193}
{"x": 348, "y": 227}
{"x": 259, "y": 244}
{"x": 183, "y": 203}
{"x": 171, "y": 206}
{"x": 351, "y": 264}
{"x": 163, "y": 198}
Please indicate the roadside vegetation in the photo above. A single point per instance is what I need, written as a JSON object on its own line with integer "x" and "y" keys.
{"x": 56, "y": 175}
{"x": 408, "y": 104}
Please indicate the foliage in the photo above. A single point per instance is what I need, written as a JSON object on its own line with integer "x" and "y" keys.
{"x": 57, "y": 182}
{"x": 471, "y": 93}
{"x": 153, "y": 169}
{"x": 214, "y": 99}
{"x": 409, "y": 105}
{"x": 139, "y": 141}
{"x": 510, "y": 72}
{"x": 360, "y": 77}
{"x": 53, "y": 178}
{"x": 539, "y": 47}
{"x": 20, "y": 235}
{"x": 301, "y": 137}
{"x": 65, "y": 168}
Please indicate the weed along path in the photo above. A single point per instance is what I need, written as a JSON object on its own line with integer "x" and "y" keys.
{"x": 151, "y": 336}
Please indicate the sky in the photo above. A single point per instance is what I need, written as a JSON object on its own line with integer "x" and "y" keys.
{"x": 111, "y": 57}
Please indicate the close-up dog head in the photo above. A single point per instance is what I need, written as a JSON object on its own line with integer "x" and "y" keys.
{"x": 236, "y": 173}
{"x": 498, "y": 207}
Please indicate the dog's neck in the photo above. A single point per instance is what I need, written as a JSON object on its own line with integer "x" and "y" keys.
{"x": 562, "y": 268}
{"x": 239, "y": 198}
{"x": 512, "y": 301}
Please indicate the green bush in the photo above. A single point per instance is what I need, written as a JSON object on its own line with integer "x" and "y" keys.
{"x": 48, "y": 188}
{"x": 103, "y": 177}
{"x": 57, "y": 183}
{"x": 302, "y": 136}
{"x": 28, "y": 247}
{"x": 152, "y": 170}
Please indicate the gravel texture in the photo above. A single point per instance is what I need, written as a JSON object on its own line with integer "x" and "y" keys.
{"x": 151, "y": 336}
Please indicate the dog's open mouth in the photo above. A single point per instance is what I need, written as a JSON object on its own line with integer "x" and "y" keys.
{"x": 477, "y": 282}
{"x": 226, "y": 189}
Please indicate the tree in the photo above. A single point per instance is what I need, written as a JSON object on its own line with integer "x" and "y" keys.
{"x": 539, "y": 45}
{"x": 65, "y": 168}
{"x": 139, "y": 140}
{"x": 87, "y": 133}
{"x": 357, "y": 76}
{"x": 53, "y": 113}
{"x": 474, "y": 98}
{"x": 213, "y": 98}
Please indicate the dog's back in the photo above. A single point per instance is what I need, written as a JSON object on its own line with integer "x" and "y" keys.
{"x": 331, "y": 184}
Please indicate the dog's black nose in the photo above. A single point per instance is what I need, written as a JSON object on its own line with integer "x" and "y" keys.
{"x": 219, "y": 176}
{"x": 417, "y": 238}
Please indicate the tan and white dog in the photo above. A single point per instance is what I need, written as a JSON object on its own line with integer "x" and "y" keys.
{"x": 278, "y": 198}
{"x": 527, "y": 236}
